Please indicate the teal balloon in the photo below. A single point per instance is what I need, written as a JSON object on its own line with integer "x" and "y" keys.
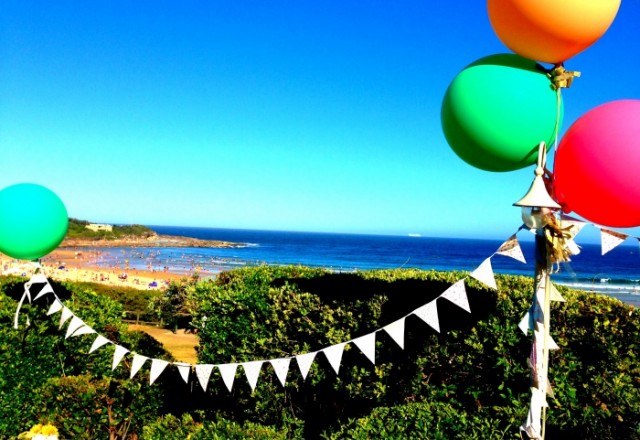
{"x": 497, "y": 110}
{"x": 33, "y": 221}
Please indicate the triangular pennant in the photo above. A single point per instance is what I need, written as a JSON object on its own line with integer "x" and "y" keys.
{"x": 118, "y": 354}
{"x": 551, "y": 344}
{"x": 572, "y": 246}
{"x": 36, "y": 278}
{"x": 55, "y": 307}
{"x": 574, "y": 225}
{"x": 555, "y": 294}
{"x": 527, "y": 323}
{"x": 429, "y": 314}
{"x": 157, "y": 367}
{"x": 334, "y": 355}
{"x": 228, "y": 373}
{"x": 252, "y": 371}
{"x": 99, "y": 342}
{"x": 484, "y": 274}
{"x": 396, "y": 331}
{"x": 281, "y": 367}
{"x": 367, "y": 345}
{"x": 184, "y": 369}
{"x": 137, "y": 363}
{"x": 304, "y": 362}
{"x": 74, "y": 325}
{"x": 550, "y": 391}
{"x": 45, "y": 290}
{"x": 511, "y": 248}
{"x": 457, "y": 294}
{"x": 26, "y": 295}
{"x": 84, "y": 330}
{"x": 66, "y": 314}
{"x": 203, "y": 373}
{"x": 611, "y": 239}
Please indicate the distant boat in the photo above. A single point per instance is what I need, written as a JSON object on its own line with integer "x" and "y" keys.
{"x": 415, "y": 235}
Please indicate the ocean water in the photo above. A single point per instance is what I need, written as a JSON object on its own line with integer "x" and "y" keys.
{"x": 617, "y": 273}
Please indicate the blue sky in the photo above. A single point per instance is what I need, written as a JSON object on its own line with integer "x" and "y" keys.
{"x": 288, "y": 115}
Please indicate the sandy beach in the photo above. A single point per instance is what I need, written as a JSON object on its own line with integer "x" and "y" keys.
{"x": 74, "y": 265}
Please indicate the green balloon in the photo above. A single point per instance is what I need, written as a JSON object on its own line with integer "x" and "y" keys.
{"x": 497, "y": 110}
{"x": 33, "y": 221}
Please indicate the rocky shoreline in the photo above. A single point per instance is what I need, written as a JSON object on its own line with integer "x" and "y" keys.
{"x": 150, "y": 241}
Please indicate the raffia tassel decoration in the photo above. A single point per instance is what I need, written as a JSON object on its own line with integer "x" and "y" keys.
{"x": 557, "y": 240}
{"x": 562, "y": 78}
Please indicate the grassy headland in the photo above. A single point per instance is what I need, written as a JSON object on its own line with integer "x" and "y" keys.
{"x": 80, "y": 235}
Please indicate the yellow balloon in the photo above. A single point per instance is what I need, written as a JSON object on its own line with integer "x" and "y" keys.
{"x": 551, "y": 31}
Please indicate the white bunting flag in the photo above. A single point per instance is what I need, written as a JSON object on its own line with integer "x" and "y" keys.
{"x": 334, "y": 355}
{"x": 367, "y": 345}
{"x": 137, "y": 363}
{"x": 396, "y": 331}
{"x": 118, "y": 354}
{"x": 533, "y": 425}
{"x": 184, "y": 369}
{"x": 203, "y": 373}
{"x": 157, "y": 367}
{"x": 551, "y": 344}
{"x": 84, "y": 330}
{"x": 572, "y": 247}
{"x": 611, "y": 239}
{"x": 252, "y": 371}
{"x": 527, "y": 323}
{"x": 37, "y": 278}
{"x": 74, "y": 325}
{"x": 484, "y": 274}
{"x": 228, "y": 373}
{"x": 99, "y": 342}
{"x": 429, "y": 314}
{"x": 65, "y": 315}
{"x": 555, "y": 294}
{"x": 55, "y": 307}
{"x": 45, "y": 290}
{"x": 511, "y": 248}
{"x": 304, "y": 362}
{"x": 457, "y": 294}
{"x": 281, "y": 368}
{"x": 574, "y": 224}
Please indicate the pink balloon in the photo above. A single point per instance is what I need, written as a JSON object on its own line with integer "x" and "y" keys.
{"x": 597, "y": 165}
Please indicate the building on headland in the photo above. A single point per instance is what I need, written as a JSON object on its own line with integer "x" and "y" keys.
{"x": 99, "y": 227}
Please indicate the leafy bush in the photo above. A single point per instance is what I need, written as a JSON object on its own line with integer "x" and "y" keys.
{"x": 172, "y": 428}
{"x": 135, "y": 302}
{"x": 426, "y": 420}
{"x": 47, "y": 378}
{"x": 171, "y": 306}
{"x": 470, "y": 380}
{"x": 478, "y": 360}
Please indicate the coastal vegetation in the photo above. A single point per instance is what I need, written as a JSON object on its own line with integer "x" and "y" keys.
{"x": 78, "y": 230}
{"x": 468, "y": 381}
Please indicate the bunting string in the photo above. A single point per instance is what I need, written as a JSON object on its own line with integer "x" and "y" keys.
{"x": 456, "y": 294}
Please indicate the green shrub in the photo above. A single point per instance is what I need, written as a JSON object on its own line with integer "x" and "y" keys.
{"x": 478, "y": 360}
{"x": 470, "y": 380}
{"x": 426, "y": 420}
{"x": 45, "y": 377}
{"x": 172, "y": 428}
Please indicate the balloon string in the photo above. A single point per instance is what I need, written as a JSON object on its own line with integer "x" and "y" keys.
{"x": 561, "y": 78}
{"x": 557, "y": 129}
